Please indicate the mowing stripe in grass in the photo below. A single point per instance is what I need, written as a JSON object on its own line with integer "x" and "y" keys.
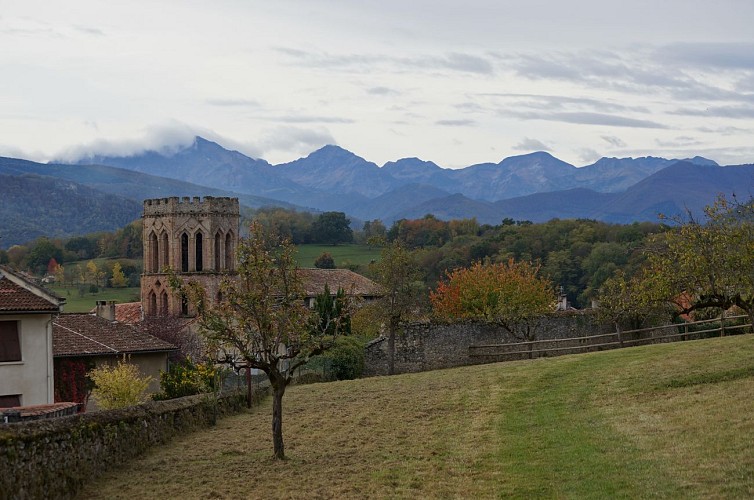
{"x": 556, "y": 443}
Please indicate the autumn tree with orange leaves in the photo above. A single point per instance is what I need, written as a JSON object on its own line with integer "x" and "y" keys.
{"x": 511, "y": 294}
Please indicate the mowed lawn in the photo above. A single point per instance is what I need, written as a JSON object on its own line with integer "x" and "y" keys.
{"x": 672, "y": 420}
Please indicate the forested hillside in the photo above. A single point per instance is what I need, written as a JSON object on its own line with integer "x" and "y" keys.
{"x": 33, "y": 206}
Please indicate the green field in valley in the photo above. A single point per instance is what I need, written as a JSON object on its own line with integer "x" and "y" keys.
{"x": 344, "y": 255}
{"x": 74, "y": 302}
{"x": 669, "y": 421}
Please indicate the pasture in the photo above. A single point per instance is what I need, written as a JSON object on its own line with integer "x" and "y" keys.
{"x": 670, "y": 420}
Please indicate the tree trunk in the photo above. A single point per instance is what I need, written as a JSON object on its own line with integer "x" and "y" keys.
{"x": 278, "y": 390}
{"x": 391, "y": 347}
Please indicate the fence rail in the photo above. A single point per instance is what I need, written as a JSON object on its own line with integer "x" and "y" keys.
{"x": 619, "y": 338}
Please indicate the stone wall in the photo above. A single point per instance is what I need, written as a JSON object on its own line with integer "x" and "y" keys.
{"x": 53, "y": 458}
{"x": 432, "y": 346}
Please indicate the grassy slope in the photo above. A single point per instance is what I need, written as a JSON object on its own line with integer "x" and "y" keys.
{"x": 343, "y": 254}
{"x": 670, "y": 420}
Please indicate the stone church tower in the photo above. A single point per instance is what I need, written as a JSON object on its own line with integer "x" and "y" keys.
{"x": 196, "y": 238}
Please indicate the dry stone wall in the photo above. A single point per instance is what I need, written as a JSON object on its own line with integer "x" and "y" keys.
{"x": 432, "y": 346}
{"x": 52, "y": 458}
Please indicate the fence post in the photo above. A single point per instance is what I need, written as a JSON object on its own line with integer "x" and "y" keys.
{"x": 620, "y": 334}
{"x": 722, "y": 324}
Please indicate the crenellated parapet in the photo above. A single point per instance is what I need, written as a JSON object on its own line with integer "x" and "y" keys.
{"x": 187, "y": 205}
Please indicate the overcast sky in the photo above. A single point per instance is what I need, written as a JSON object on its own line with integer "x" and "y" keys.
{"x": 454, "y": 82}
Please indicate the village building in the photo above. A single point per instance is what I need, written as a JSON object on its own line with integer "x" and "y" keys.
{"x": 82, "y": 342}
{"x": 26, "y": 354}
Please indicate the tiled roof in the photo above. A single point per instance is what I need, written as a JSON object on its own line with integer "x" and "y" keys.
{"x": 88, "y": 334}
{"x": 351, "y": 282}
{"x": 128, "y": 312}
{"x": 17, "y": 295}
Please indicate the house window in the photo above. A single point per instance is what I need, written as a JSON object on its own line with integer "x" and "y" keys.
{"x": 10, "y": 342}
{"x": 10, "y": 400}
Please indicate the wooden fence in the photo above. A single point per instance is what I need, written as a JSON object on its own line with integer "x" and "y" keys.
{"x": 556, "y": 347}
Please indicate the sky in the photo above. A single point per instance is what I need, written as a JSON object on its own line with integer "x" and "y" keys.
{"x": 454, "y": 82}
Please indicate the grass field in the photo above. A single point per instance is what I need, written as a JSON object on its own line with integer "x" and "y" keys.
{"x": 343, "y": 255}
{"x": 672, "y": 420}
{"x": 75, "y": 303}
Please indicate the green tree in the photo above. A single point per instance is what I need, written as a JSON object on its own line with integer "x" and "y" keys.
{"x": 261, "y": 320}
{"x": 40, "y": 254}
{"x": 397, "y": 273}
{"x": 332, "y": 228}
{"x": 510, "y": 294}
{"x": 706, "y": 264}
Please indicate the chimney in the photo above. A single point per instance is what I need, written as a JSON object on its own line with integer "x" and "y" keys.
{"x": 106, "y": 309}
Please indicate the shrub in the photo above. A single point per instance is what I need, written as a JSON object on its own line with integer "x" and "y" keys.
{"x": 186, "y": 379}
{"x": 346, "y": 359}
{"x": 119, "y": 386}
{"x": 325, "y": 261}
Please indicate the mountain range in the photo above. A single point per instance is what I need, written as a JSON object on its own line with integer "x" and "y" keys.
{"x": 536, "y": 186}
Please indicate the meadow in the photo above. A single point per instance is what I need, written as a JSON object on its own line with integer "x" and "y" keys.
{"x": 77, "y": 303}
{"x": 671, "y": 420}
{"x": 344, "y": 255}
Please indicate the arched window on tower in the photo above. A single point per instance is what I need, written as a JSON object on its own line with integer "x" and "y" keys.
{"x": 154, "y": 253}
{"x": 199, "y": 252}
{"x": 184, "y": 305}
{"x": 184, "y": 253}
{"x": 164, "y": 303}
{"x": 164, "y": 252}
{"x": 229, "y": 251}
{"x": 152, "y": 304}
{"x": 218, "y": 251}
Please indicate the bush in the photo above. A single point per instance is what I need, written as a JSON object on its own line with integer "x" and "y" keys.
{"x": 119, "y": 386}
{"x": 186, "y": 379}
{"x": 325, "y": 261}
{"x": 346, "y": 358}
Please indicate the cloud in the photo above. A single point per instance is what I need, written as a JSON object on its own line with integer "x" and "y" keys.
{"x": 737, "y": 111}
{"x": 456, "y": 123}
{"x": 588, "y": 155}
{"x": 312, "y": 119}
{"x": 454, "y": 61}
{"x": 679, "y": 142}
{"x": 708, "y": 55}
{"x": 88, "y": 30}
{"x": 167, "y": 138}
{"x": 295, "y": 140}
{"x": 531, "y": 145}
{"x": 587, "y": 118}
{"x": 460, "y": 62}
{"x": 613, "y": 141}
{"x": 383, "y": 91}
{"x": 233, "y": 103}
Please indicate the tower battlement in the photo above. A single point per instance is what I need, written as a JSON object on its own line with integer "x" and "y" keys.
{"x": 186, "y": 205}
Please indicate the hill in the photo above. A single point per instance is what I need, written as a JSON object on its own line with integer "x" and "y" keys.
{"x": 668, "y": 421}
{"x": 33, "y": 206}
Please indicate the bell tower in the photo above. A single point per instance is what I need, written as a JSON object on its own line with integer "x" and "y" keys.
{"x": 195, "y": 238}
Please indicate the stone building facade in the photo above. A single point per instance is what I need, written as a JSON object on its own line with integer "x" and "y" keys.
{"x": 196, "y": 238}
